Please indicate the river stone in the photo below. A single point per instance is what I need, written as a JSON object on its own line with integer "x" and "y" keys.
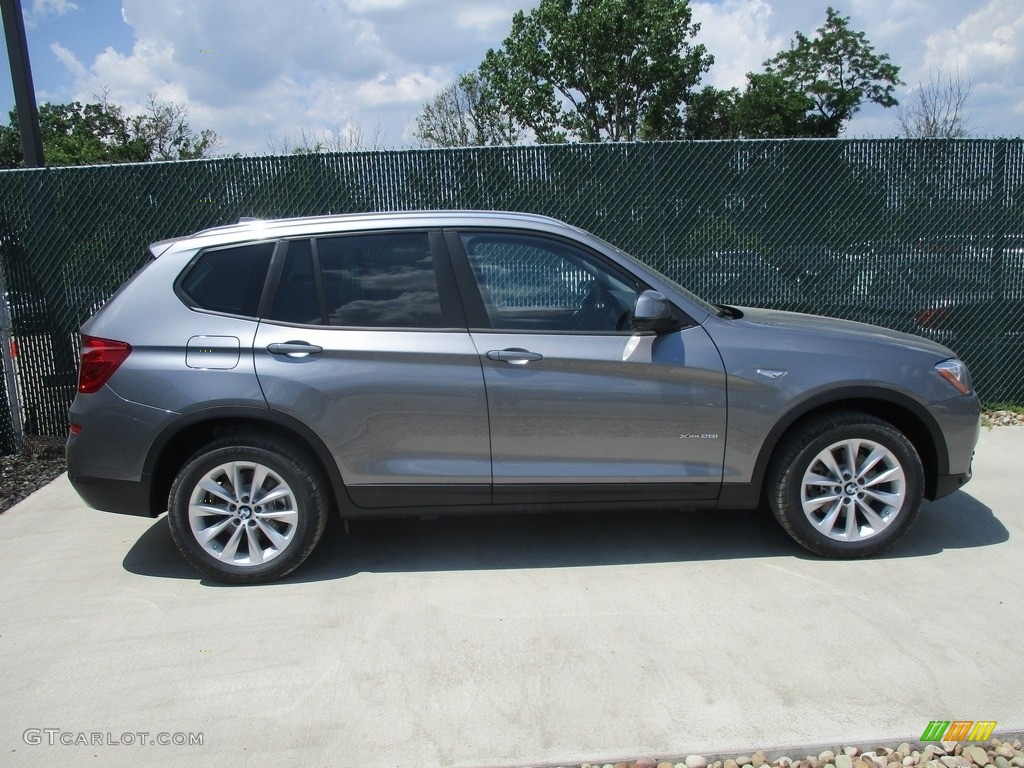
{"x": 976, "y": 755}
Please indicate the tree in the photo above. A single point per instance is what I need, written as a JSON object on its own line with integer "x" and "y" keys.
{"x": 837, "y": 70}
{"x": 100, "y": 132}
{"x": 938, "y": 108}
{"x": 76, "y": 134}
{"x": 165, "y": 132}
{"x": 351, "y": 138}
{"x": 614, "y": 70}
{"x": 773, "y": 107}
{"x": 11, "y": 155}
{"x": 464, "y": 114}
{"x": 711, "y": 114}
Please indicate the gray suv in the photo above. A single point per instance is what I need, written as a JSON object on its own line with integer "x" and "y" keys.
{"x": 254, "y": 379}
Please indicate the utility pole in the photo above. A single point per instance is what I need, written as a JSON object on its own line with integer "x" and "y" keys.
{"x": 21, "y": 75}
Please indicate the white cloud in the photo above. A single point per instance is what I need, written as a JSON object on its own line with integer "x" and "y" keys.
{"x": 371, "y": 6}
{"x": 415, "y": 87}
{"x": 250, "y": 69}
{"x": 42, "y": 9}
{"x": 492, "y": 21}
{"x": 986, "y": 41}
{"x": 67, "y": 58}
{"x": 740, "y": 35}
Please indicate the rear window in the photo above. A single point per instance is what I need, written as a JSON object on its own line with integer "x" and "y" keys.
{"x": 229, "y": 279}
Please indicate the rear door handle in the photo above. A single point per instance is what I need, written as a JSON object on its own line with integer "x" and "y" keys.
{"x": 294, "y": 349}
{"x": 514, "y": 356}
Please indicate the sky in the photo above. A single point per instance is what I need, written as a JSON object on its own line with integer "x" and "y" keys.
{"x": 269, "y": 74}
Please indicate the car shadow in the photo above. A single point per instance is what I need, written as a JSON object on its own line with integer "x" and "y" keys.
{"x": 569, "y": 540}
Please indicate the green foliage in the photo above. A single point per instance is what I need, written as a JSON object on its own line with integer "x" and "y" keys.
{"x": 772, "y": 107}
{"x": 605, "y": 70}
{"x": 90, "y": 134}
{"x": 711, "y": 114}
{"x": 808, "y": 91}
{"x": 10, "y": 144}
{"x": 837, "y": 70}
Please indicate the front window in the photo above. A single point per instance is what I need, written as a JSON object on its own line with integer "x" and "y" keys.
{"x": 532, "y": 283}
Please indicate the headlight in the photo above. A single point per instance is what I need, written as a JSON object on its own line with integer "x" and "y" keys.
{"x": 955, "y": 372}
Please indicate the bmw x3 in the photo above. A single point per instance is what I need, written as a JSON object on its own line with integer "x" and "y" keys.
{"x": 253, "y": 379}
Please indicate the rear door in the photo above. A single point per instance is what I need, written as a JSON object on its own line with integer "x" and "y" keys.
{"x": 582, "y": 406}
{"x": 365, "y": 342}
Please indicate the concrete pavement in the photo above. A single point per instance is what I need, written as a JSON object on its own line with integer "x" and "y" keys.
{"x": 508, "y": 640}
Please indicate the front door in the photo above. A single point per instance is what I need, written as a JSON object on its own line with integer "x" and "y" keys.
{"x": 575, "y": 395}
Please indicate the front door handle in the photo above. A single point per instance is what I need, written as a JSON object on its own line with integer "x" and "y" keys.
{"x": 514, "y": 356}
{"x": 294, "y": 349}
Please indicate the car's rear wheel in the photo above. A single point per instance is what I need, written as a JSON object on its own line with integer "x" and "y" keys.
{"x": 846, "y": 484}
{"x": 247, "y": 509}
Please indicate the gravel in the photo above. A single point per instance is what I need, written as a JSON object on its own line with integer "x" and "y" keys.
{"x": 947, "y": 754}
{"x": 1002, "y": 419}
{"x": 41, "y": 459}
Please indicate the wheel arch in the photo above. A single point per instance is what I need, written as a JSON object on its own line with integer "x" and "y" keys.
{"x": 177, "y": 443}
{"x": 904, "y": 413}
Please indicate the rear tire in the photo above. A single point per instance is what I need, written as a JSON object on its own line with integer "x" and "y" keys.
{"x": 846, "y": 484}
{"x": 247, "y": 509}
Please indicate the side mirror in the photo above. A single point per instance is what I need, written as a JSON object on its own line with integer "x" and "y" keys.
{"x": 652, "y": 312}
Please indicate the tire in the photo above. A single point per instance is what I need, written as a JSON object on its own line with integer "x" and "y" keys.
{"x": 833, "y": 511}
{"x": 242, "y": 537}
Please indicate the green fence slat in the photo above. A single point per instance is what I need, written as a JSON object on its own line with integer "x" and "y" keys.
{"x": 926, "y": 236}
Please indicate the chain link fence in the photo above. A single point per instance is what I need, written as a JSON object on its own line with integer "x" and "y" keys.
{"x": 925, "y": 236}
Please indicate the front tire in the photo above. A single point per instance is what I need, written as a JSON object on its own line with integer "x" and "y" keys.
{"x": 846, "y": 485}
{"x": 247, "y": 509}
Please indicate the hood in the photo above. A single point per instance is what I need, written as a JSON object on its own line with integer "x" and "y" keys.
{"x": 841, "y": 329}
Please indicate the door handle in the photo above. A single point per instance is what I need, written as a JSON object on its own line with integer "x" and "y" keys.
{"x": 294, "y": 349}
{"x": 514, "y": 356}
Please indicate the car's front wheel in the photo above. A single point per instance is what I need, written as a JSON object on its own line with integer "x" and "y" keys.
{"x": 247, "y": 509}
{"x": 846, "y": 484}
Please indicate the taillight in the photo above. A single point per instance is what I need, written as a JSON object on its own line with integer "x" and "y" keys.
{"x": 100, "y": 358}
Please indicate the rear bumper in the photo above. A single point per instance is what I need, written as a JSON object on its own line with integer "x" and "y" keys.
{"x": 125, "y": 497}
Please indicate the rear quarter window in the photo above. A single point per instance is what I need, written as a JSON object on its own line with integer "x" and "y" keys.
{"x": 228, "y": 280}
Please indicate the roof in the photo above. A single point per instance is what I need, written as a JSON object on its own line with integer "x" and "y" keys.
{"x": 313, "y": 225}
